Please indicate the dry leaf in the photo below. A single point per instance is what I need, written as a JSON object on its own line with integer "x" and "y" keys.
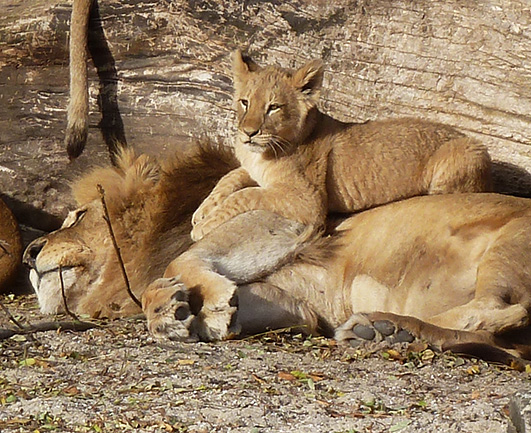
{"x": 394, "y": 354}
{"x": 316, "y": 377}
{"x": 258, "y": 379}
{"x": 473, "y": 369}
{"x": 417, "y": 347}
{"x": 71, "y": 390}
{"x": 286, "y": 376}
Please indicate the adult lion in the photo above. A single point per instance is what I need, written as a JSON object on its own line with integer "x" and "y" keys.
{"x": 451, "y": 269}
{"x": 10, "y": 246}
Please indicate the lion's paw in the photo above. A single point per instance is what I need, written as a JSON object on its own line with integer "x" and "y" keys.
{"x": 205, "y": 226}
{"x": 214, "y": 325}
{"x": 359, "y": 328}
{"x": 166, "y": 304}
{"x": 203, "y": 210}
{"x": 167, "y": 309}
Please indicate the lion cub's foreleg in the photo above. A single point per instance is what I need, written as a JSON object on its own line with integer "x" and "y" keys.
{"x": 303, "y": 204}
{"x": 233, "y": 181}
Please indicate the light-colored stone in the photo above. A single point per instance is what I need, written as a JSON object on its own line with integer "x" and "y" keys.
{"x": 520, "y": 412}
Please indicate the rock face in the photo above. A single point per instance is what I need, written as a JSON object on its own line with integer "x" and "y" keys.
{"x": 467, "y": 64}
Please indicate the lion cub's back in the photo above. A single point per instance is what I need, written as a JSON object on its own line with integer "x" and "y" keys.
{"x": 382, "y": 161}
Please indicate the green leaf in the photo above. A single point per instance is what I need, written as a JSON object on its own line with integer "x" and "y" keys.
{"x": 400, "y": 426}
{"x": 299, "y": 375}
{"x": 28, "y": 362}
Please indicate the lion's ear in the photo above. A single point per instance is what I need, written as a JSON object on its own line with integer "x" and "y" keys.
{"x": 309, "y": 78}
{"x": 242, "y": 65}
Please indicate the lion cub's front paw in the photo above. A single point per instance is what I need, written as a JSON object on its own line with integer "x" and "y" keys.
{"x": 205, "y": 209}
{"x": 167, "y": 309}
{"x": 204, "y": 227}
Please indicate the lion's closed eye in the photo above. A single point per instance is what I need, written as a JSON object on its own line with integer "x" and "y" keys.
{"x": 74, "y": 217}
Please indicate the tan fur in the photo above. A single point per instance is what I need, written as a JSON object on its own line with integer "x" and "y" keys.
{"x": 452, "y": 269}
{"x": 87, "y": 37}
{"x": 301, "y": 163}
{"x": 10, "y": 247}
{"x": 150, "y": 207}
{"x": 78, "y": 107}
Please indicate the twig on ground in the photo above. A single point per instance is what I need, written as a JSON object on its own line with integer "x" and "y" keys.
{"x": 275, "y": 332}
{"x": 11, "y": 317}
{"x": 70, "y": 313}
{"x": 76, "y": 325}
{"x": 47, "y": 326}
{"x": 115, "y": 244}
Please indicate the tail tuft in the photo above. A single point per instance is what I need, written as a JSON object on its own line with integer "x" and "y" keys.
{"x": 75, "y": 140}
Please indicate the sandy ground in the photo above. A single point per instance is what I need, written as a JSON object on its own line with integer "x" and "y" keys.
{"x": 116, "y": 378}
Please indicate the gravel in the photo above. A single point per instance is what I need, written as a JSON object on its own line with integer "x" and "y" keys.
{"x": 116, "y": 378}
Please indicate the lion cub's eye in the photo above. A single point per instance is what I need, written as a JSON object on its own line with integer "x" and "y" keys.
{"x": 273, "y": 107}
{"x": 245, "y": 103}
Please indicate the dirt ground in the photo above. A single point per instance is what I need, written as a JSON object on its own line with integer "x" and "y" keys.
{"x": 115, "y": 378}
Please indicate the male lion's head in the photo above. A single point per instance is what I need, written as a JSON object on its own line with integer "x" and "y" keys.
{"x": 79, "y": 258}
{"x": 149, "y": 207}
{"x": 275, "y": 106}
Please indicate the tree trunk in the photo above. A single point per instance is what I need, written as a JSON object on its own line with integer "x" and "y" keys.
{"x": 467, "y": 64}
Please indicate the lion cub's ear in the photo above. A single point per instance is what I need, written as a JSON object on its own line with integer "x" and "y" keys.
{"x": 309, "y": 78}
{"x": 242, "y": 65}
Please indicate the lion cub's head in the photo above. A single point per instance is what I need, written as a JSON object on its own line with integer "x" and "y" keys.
{"x": 275, "y": 106}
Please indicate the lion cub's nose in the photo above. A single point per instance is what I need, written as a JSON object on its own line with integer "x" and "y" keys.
{"x": 250, "y": 131}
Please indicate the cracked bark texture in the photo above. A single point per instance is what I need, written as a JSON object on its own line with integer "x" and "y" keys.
{"x": 467, "y": 64}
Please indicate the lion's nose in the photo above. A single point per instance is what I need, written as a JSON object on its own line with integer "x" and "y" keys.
{"x": 32, "y": 251}
{"x": 250, "y": 131}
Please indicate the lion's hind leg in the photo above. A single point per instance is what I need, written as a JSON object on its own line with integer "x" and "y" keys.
{"x": 502, "y": 294}
{"x": 393, "y": 328}
{"x": 459, "y": 165}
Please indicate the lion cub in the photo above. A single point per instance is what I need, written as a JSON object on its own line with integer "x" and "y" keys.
{"x": 301, "y": 163}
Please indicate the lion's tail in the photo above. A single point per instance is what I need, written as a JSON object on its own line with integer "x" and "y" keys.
{"x": 77, "y": 114}
{"x": 87, "y": 37}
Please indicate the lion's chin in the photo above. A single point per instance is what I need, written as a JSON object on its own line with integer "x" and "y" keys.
{"x": 256, "y": 148}
{"x": 47, "y": 286}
